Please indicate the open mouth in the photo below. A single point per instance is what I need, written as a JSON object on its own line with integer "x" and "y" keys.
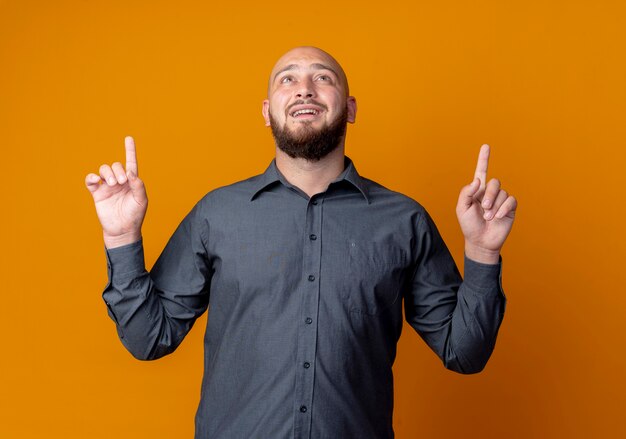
{"x": 305, "y": 113}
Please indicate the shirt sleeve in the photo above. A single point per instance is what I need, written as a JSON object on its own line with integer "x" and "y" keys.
{"x": 153, "y": 311}
{"x": 458, "y": 319}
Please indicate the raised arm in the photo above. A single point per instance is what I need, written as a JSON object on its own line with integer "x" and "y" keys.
{"x": 459, "y": 318}
{"x": 153, "y": 311}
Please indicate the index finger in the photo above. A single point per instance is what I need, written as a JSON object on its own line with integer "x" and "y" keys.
{"x": 131, "y": 155}
{"x": 482, "y": 164}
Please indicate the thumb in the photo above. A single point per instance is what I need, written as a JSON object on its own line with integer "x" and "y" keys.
{"x": 137, "y": 187}
{"x": 466, "y": 197}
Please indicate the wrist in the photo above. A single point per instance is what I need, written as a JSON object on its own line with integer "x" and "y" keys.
{"x": 120, "y": 240}
{"x": 482, "y": 255}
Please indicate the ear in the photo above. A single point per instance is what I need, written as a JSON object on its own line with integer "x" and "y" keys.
{"x": 266, "y": 112}
{"x": 351, "y": 103}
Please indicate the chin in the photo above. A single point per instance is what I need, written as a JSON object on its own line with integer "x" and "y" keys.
{"x": 305, "y": 123}
{"x": 308, "y": 141}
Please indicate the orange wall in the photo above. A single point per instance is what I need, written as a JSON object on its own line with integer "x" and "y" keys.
{"x": 542, "y": 82}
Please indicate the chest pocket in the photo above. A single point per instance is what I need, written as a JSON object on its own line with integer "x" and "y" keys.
{"x": 374, "y": 276}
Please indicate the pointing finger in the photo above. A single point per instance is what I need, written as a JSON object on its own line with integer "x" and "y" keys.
{"x": 482, "y": 164}
{"x": 131, "y": 155}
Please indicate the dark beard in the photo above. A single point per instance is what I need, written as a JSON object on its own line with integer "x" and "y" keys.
{"x": 310, "y": 144}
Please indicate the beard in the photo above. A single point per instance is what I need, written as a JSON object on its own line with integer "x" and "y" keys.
{"x": 310, "y": 144}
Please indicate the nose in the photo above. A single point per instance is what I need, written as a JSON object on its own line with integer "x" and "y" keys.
{"x": 305, "y": 89}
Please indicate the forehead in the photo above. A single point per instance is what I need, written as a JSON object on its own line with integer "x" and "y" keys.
{"x": 303, "y": 58}
{"x": 308, "y": 58}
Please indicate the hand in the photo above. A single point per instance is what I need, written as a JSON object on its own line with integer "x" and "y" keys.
{"x": 486, "y": 213}
{"x": 120, "y": 199}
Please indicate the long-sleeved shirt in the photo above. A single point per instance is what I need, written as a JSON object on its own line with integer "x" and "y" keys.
{"x": 305, "y": 297}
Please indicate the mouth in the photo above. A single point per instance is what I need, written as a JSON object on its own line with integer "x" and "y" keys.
{"x": 305, "y": 112}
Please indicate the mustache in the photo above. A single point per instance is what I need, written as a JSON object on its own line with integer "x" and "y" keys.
{"x": 306, "y": 102}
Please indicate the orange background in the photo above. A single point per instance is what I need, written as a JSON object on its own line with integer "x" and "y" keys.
{"x": 542, "y": 82}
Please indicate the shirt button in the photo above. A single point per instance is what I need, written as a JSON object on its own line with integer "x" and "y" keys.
{"x": 314, "y": 202}
{"x": 311, "y": 278}
{"x": 303, "y": 408}
{"x": 307, "y": 365}
{"x": 312, "y": 237}
{"x": 308, "y": 320}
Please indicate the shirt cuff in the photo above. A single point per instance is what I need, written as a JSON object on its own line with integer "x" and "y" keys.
{"x": 125, "y": 261}
{"x": 483, "y": 277}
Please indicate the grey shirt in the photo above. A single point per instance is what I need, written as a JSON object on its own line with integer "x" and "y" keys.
{"x": 306, "y": 299}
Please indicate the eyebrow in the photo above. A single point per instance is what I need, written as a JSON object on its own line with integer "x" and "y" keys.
{"x": 317, "y": 66}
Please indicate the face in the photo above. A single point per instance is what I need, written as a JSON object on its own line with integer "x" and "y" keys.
{"x": 308, "y": 102}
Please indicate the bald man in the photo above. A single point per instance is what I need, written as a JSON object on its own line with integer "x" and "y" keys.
{"x": 306, "y": 268}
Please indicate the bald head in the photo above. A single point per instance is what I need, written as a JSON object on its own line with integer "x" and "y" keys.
{"x": 308, "y": 56}
{"x": 308, "y": 90}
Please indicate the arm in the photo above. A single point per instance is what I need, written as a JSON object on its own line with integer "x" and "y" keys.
{"x": 458, "y": 319}
{"x": 153, "y": 311}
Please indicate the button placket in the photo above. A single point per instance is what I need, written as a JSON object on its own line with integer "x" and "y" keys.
{"x": 307, "y": 333}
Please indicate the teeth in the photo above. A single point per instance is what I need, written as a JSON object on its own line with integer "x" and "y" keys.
{"x": 305, "y": 111}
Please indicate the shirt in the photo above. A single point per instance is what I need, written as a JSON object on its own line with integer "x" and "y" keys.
{"x": 305, "y": 298}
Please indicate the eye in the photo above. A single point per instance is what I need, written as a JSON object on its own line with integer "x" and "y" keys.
{"x": 324, "y": 78}
{"x": 286, "y": 80}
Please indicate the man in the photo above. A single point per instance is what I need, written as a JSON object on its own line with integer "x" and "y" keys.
{"x": 306, "y": 268}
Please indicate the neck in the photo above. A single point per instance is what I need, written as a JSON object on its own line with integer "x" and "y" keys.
{"x": 311, "y": 177}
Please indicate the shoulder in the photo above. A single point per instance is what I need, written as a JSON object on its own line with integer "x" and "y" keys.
{"x": 382, "y": 197}
{"x": 229, "y": 196}
{"x": 407, "y": 216}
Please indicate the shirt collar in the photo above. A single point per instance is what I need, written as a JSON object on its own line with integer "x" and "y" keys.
{"x": 273, "y": 175}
